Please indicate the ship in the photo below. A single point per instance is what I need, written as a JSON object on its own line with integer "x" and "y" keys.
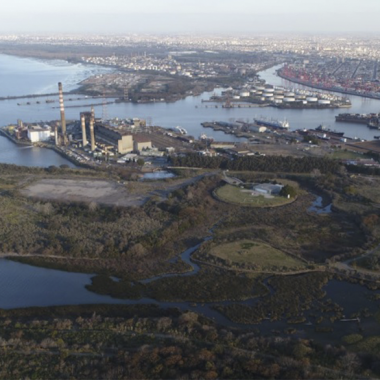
{"x": 374, "y": 123}
{"x": 328, "y": 131}
{"x": 281, "y": 124}
{"x": 360, "y": 118}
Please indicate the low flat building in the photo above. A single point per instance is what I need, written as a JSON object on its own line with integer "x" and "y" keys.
{"x": 268, "y": 188}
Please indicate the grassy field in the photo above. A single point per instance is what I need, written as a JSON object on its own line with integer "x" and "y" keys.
{"x": 250, "y": 252}
{"x": 233, "y": 194}
{"x": 345, "y": 155}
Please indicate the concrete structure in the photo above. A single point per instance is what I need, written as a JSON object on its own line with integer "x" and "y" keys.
{"x": 37, "y": 133}
{"x": 92, "y": 132}
{"x": 141, "y": 142}
{"x": 268, "y": 188}
{"x": 125, "y": 144}
{"x": 83, "y": 124}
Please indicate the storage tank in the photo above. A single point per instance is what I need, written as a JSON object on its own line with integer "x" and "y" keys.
{"x": 252, "y": 92}
{"x": 289, "y": 94}
{"x": 236, "y": 97}
{"x": 323, "y": 101}
{"x": 279, "y": 92}
{"x": 269, "y": 90}
{"x": 277, "y": 101}
{"x": 311, "y": 99}
{"x": 260, "y": 88}
{"x": 268, "y": 95}
{"x": 279, "y": 96}
{"x": 289, "y": 99}
{"x": 258, "y": 92}
{"x": 244, "y": 94}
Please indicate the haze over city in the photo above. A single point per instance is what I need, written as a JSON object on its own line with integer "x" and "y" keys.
{"x": 165, "y": 16}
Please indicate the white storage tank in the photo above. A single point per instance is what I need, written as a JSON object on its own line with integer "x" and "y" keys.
{"x": 323, "y": 101}
{"x": 269, "y": 90}
{"x": 311, "y": 99}
{"x": 260, "y": 88}
{"x": 277, "y": 101}
{"x": 289, "y": 94}
{"x": 279, "y": 96}
{"x": 268, "y": 95}
{"x": 289, "y": 99}
{"x": 236, "y": 97}
{"x": 244, "y": 94}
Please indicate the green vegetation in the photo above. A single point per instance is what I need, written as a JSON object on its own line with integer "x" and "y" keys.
{"x": 236, "y": 195}
{"x": 344, "y": 154}
{"x": 207, "y": 286}
{"x": 292, "y": 296}
{"x": 287, "y": 164}
{"x": 135, "y": 342}
{"x": 256, "y": 255}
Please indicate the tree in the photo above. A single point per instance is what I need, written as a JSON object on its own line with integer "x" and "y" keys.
{"x": 288, "y": 190}
{"x": 140, "y": 162}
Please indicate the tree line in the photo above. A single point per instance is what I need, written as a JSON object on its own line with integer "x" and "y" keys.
{"x": 259, "y": 163}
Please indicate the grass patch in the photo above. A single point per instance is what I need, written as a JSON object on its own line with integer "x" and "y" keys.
{"x": 236, "y": 195}
{"x": 262, "y": 255}
{"x": 339, "y": 154}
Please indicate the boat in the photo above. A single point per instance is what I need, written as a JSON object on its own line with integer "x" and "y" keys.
{"x": 328, "y": 131}
{"x": 281, "y": 124}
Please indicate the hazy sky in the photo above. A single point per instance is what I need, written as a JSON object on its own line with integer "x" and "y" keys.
{"x": 118, "y": 16}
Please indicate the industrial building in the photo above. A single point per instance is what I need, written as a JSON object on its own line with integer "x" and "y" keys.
{"x": 123, "y": 142}
{"x": 141, "y": 142}
{"x": 37, "y": 133}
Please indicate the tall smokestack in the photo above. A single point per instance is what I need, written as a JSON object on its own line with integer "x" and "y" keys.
{"x": 84, "y": 137}
{"x": 62, "y": 107}
{"x": 56, "y": 134}
{"x": 92, "y": 134}
{"x": 93, "y": 113}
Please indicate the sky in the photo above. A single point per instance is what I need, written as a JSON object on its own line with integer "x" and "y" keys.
{"x": 125, "y": 16}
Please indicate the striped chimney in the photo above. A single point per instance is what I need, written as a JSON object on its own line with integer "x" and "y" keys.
{"x": 62, "y": 107}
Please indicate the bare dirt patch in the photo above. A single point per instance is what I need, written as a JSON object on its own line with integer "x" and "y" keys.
{"x": 99, "y": 191}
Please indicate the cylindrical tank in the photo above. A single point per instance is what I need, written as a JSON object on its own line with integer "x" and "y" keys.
{"x": 289, "y": 94}
{"x": 268, "y": 95}
{"x": 311, "y": 99}
{"x": 289, "y": 99}
{"x": 244, "y": 94}
{"x": 323, "y": 101}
